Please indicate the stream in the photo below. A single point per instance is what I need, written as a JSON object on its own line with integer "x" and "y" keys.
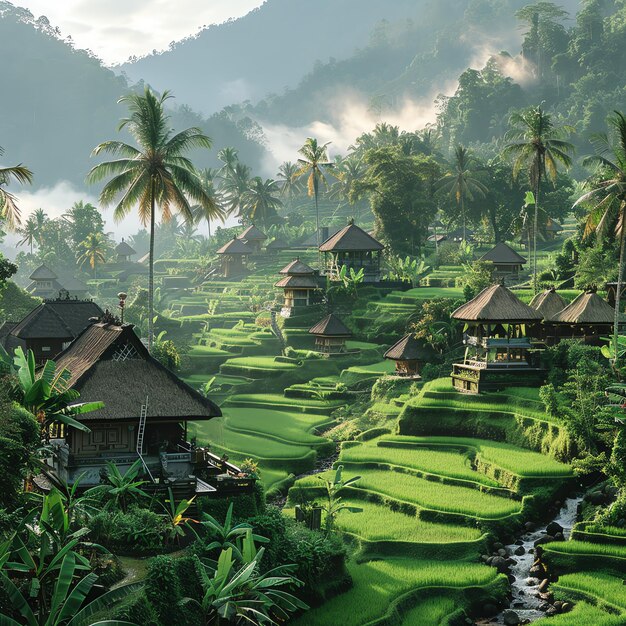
{"x": 524, "y": 590}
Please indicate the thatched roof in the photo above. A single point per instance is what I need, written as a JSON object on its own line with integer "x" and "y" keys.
{"x": 436, "y": 237}
{"x": 553, "y": 226}
{"x": 548, "y": 303}
{"x": 587, "y": 308}
{"x": 252, "y": 233}
{"x": 277, "y": 244}
{"x": 109, "y": 363}
{"x": 123, "y": 249}
{"x": 43, "y": 273}
{"x": 409, "y": 348}
{"x": 351, "y": 239}
{"x": 297, "y": 268}
{"x": 496, "y": 304}
{"x": 297, "y": 282}
{"x": 235, "y": 246}
{"x": 331, "y": 326}
{"x": 57, "y": 319}
{"x": 501, "y": 254}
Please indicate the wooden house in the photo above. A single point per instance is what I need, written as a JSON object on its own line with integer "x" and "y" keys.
{"x": 299, "y": 284}
{"x": 254, "y": 237}
{"x": 552, "y": 229}
{"x": 588, "y": 318}
{"x": 410, "y": 354}
{"x": 234, "y": 255}
{"x": 353, "y": 248}
{"x": 549, "y": 303}
{"x": 331, "y": 335}
{"x": 124, "y": 252}
{"x": 145, "y": 415}
{"x": 48, "y": 329}
{"x": 506, "y": 262}
{"x": 498, "y": 351}
{"x": 44, "y": 283}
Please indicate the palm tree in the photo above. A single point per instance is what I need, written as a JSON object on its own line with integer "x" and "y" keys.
{"x": 290, "y": 186}
{"x": 260, "y": 202}
{"x": 154, "y": 174}
{"x": 29, "y": 233}
{"x": 313, "y": 165}
{"x": 9, "y": 210}
{"x": 40, "y": 217}
{"x": 536, "y": 144}
{"x": 93, "y": 251}
{"x": 609, "y": 198}
{"x": 460, "y": 183}
{"x": 229, "y": 157}
{"x": 234, "y": 185}
{"x": 347, "y": 172}
{"x": 207, "y": 177}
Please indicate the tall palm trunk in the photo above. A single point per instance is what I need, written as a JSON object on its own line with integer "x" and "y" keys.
{"x": 463, "y": 216}
{"x": 151, "y": 275}
{"x": 620, "y": 278}
{"x": 317, "y": 213}
{"x": 535, "y": 232}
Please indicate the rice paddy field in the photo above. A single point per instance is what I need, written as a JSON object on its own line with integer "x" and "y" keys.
{"x": 444, "y": 473}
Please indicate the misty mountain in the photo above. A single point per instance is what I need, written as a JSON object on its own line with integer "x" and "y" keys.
{"x": 269, "y": 49}
{"x": 58, "y": 103}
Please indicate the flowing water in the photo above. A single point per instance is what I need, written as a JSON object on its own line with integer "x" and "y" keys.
{"x": 524, "y": 589}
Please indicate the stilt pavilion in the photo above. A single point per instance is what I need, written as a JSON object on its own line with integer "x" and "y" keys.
{"x": 410, "y": 354}
{"x": 331, "y": 335}
{"x": 234, "y": 255}
{"x": 254, "y": 237}
{"x": 498, "y": 351}
{"x": 300, "y": 285}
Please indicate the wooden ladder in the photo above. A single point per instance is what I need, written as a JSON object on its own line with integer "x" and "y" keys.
{"x": 141, "y": 431}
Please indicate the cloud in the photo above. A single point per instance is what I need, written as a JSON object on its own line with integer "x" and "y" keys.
{"x": 350, "y": 115}
{"x": 117, "y": 29}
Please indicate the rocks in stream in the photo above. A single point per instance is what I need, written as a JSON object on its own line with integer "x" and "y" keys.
{"x": 511, "y": 618}
{"x": 519, "y": 551}
{"x": 553, "y": 528}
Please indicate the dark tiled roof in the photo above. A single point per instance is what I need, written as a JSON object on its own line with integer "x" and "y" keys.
{"x": 351, "y": 238}
{"x": 496, "y": 304}
{"x": 502, "y": 254}
{"x": 123, "y": 249}
{"x": 235, "y": 246}
{"x": 548, "y": 303}
{"x": 252, "y": 233}
{"x": 331, "y": 326}
{"x": 297, "y": 282}
{"x": 409, "y": 349}
{"x": 57, "y": 319}
{"x": 587, "y": 308}
{"x": 100, "y": 374}
{"x": 43, "y": 273}
{"x": 297, "y": 267}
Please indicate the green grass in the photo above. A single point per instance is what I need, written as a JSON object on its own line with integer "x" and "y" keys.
{"x": 379, "y": 523}
{"x": 519, "y": 461}
{"x": 277, "y": 400}
{"x": 261, "y": 362}
{"x": 431, "y": 611}
{"x": 583, "y": 614}
{"x": 378, "y": 583}
{"x": 279, "y": 425}
{"x": 431, "y": 495}
{"x": 598, "y": 586}
{"x": 455, "y": 464}
{"x": 586, "y": 548}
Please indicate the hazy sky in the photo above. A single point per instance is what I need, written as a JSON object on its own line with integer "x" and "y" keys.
{"x": 116, "y": 29}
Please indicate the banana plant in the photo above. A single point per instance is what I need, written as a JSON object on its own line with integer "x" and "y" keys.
{"x": 66, "y": 604}
{"x": 46, "y": 394}
{"x": 334, "y": 505}
{"x": 408, "y": 269}
{"x": 120, "y": 490}
{"x": 176, "y": 514}
{"x": 236, "y": 594}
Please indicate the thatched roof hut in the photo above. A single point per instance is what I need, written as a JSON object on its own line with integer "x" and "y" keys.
{"x": 43, "y": 272}
{"x": 235, "y": 247}
{"x": 330, "y": 326}
{"x": 549, "y": 303}
{"x": 587, "y": 309}
{"x": 409, "y": 348}
{"x": 496, "y": 304}
{"x": 252, "y": 233}
{"x": 123, "y": 250}
{"x": 276, "y": 245}
{"x": 109, "y": 363}
{"x": 297, "y": 268}
{"x": 351, "y": 238}
{"x": 503, "y": 255}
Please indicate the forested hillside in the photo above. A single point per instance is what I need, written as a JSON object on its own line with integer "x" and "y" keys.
{"x": 58, "y": 103}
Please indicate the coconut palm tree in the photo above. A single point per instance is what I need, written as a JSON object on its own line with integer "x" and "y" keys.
{"x": 608, "y": 197}
{"x": 347, "y": 172}
{"x": 314, "y": 165}
{"x": 29, "y": 233}
{"x": 539, "y": 146}
{"x": 460, "y": 184}
{"x": 290, "y": 186}
{"x": 93, "y": 251}
{"x": 155, "y": 174}
{"x": 40, "y": 217}
{"x": 207, "y": 178}
{"x": 234, "y": 185}
{"x": 9, "y": 211}
{"x": 260, "y": 201}
{"x": 229, "y": 157}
